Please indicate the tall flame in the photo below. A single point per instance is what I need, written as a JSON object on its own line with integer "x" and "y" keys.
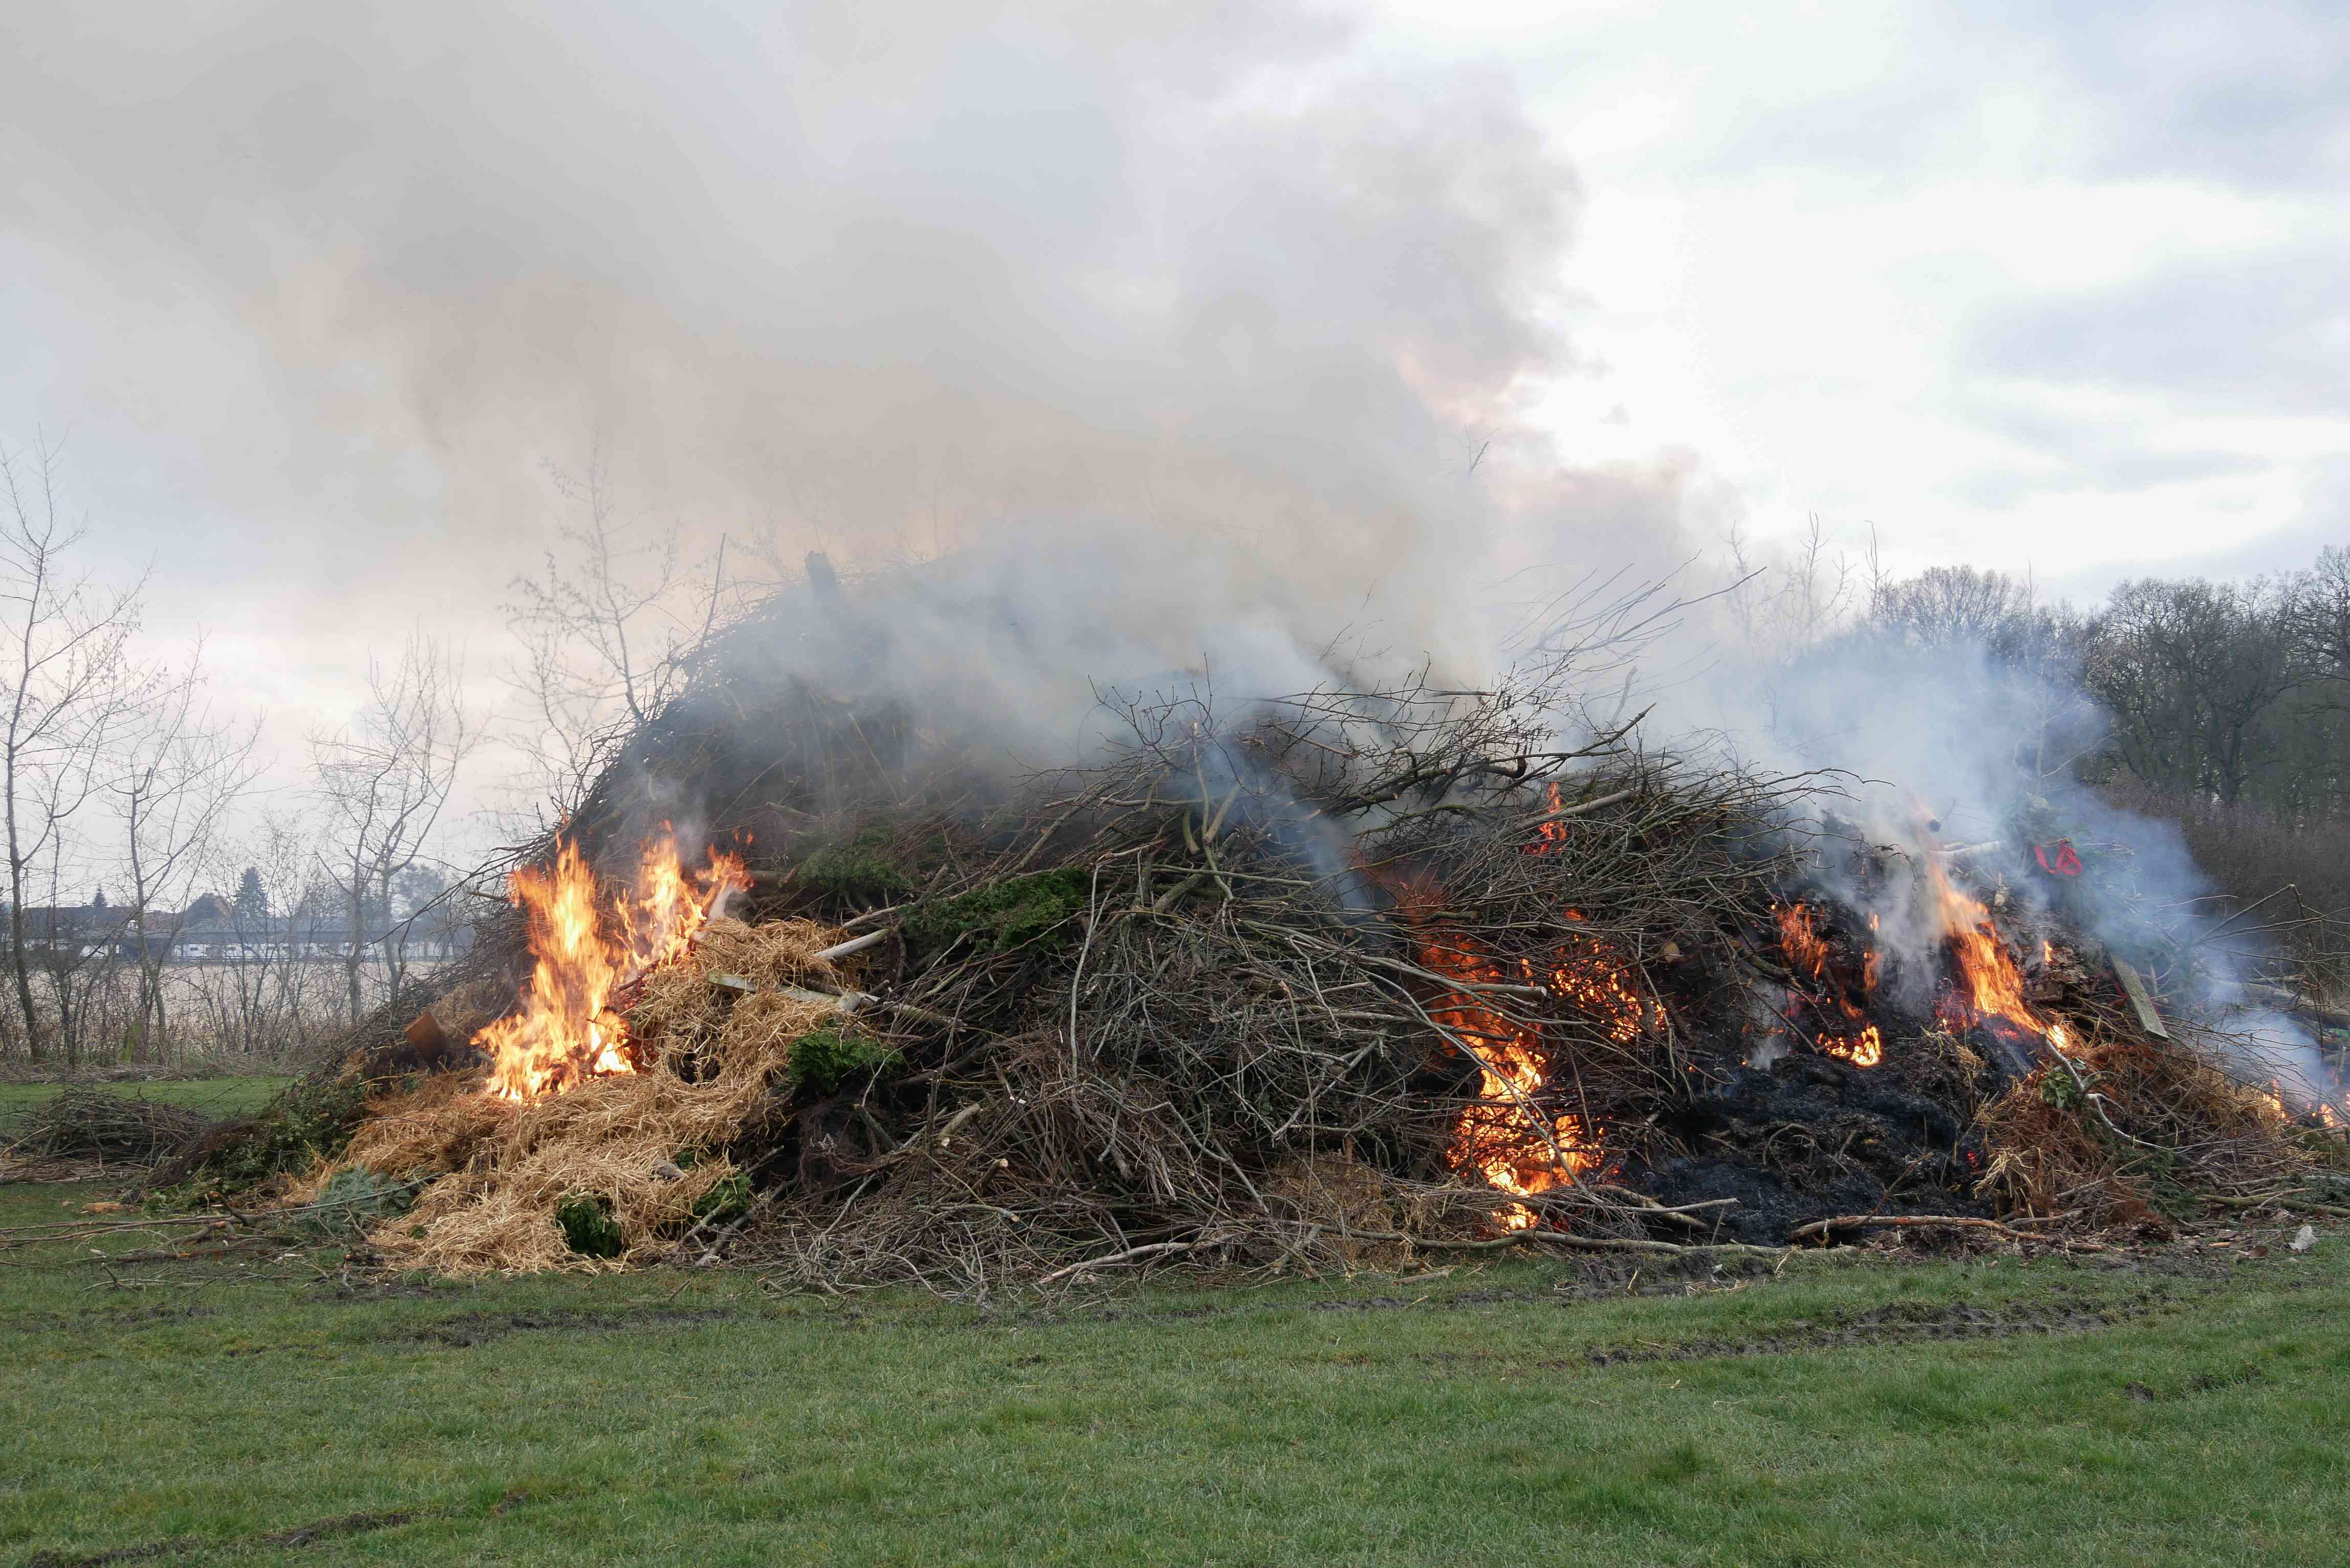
{"x": 1992, "y": 985}
{"x": 1502, "y": 1135}
{"x": 565, "y": 1032}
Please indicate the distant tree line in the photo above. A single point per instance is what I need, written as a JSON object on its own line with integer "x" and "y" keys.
{"x": 2232, "y": 693}
{"x": 2224, "y": 706}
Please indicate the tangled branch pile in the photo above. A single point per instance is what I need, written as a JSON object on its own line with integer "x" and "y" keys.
{"x": 2125, "y": 1130}
{"x": 1349, "y": 973}
{"x": 1243, "y": 989}
{"x": 1240, "y": 992}
{"x": 84, "y": 1123}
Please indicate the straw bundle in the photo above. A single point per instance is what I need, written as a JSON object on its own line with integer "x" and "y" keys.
{"x": 650, "y": 1147}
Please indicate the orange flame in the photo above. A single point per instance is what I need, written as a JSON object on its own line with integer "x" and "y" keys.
{"x": 1549, "y": 836}
{"x": 565, "y": 1032}
{"x": 1503, "y": 1135}
{"x": 1994, "y": 985}
{"x": 1803, "y": 944}
{"x": 1865, "y": 1047}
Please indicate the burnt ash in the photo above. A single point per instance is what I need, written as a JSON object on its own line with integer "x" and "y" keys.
{"x": 1811, "y": 1137}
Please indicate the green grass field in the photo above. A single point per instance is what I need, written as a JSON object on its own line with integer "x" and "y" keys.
{"x": 2189, "y": 1410}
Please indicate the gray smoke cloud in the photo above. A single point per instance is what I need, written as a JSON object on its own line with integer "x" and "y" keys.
{"x": 885, "y": 281}
{"x": 1198, "y": 339}
{"x": 1921, "y": 748}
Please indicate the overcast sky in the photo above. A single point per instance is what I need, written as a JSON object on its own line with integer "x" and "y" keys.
{"x": 2062, "y": 285}
{"x": 2055, "y": 287}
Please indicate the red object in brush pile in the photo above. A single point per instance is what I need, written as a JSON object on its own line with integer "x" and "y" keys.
{"x": 2058, "y": 859}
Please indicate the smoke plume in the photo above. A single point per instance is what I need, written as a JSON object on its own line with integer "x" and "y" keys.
{"x": 1249, "y": 315}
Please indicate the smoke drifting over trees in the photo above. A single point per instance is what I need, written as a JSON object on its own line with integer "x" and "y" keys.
{"x": 2221, "y": 709}
{"x": 1161, "y": 342}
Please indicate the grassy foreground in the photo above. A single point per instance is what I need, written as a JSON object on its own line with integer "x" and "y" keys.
{"x": 1845, "y": 1411}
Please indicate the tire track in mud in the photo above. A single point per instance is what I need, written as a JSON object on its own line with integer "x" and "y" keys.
{"x": 300, "y": 1535}
{"x": 1900, "y": 1323}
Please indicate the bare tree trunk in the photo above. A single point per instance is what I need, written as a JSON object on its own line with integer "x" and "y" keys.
{"x": 68, "y": 673}
{"x": 20, "y": 969}
{"x": 385, "y": 782}
{"x": 354, "y": 923}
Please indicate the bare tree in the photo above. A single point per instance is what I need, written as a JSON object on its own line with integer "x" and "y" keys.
{"x": 255, "y": 983}
{"x": 384, "y": 782}
{"x": 1786, "y": 602}
{"x": 2193, "y": 673}
{"x": 77, "y": 956}
{"x": 2324, "y": 618}
{"x": 70, "y": 682}
{"x": 1946, "y": 607}
{"x": 180, "y": 770}
{"x": 2030, "y": 649}
{"x": 604, "y": 629}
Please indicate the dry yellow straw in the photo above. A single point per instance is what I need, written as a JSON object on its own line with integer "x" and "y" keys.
{"x": 650, "y": 1144}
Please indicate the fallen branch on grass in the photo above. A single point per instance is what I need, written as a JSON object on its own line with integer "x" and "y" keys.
{"x": 1565, "y": 1239}
{"x": 2277, "y": 1200}
{"x": 1155, "y": 1249}
{"x": 1907, "y": 1221}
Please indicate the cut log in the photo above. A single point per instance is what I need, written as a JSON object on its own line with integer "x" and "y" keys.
{"x": 1820, "y": 1228}
{"x": 847, "y": 1003}
{"x": 853, "y": 945}
{"x": 851, "y": 1002}
{"x": 426, "y": 1037}
{"x": 2141, "y": 999}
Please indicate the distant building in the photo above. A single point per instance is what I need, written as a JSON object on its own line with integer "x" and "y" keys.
{"x": 71, "y": 931}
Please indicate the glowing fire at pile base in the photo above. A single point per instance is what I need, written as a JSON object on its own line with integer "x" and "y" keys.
{"x": 566, "y": 1030}
{"x": 1864, "y": 1045}
{"x": 1503, "y": 1135}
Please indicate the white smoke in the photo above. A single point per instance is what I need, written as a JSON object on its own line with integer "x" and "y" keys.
{"x": 1215, "y": 284}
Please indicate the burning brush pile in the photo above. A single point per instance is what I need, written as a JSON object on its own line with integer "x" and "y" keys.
{"x": 1350, "y": 975}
